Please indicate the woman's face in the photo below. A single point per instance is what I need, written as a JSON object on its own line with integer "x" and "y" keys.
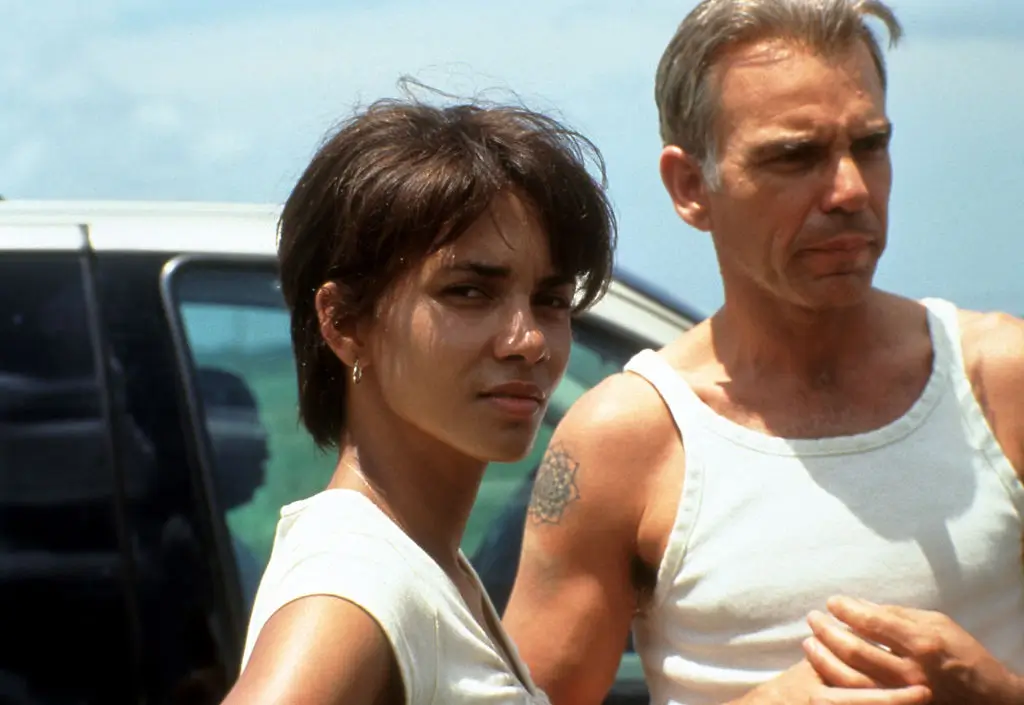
{"x": 468, "y": 348}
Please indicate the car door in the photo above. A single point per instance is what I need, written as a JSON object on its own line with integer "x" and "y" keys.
{"x": 68, "y": 606}
{"x": 182, "y": 590}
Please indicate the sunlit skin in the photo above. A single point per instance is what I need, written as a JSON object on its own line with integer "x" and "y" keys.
{"x": 799, "y": 217}
{"x": 458, "y": 363}
{"x": 818, "y": 173}
{"x": 458, "y": 366}
{"x": 803, "y": 347}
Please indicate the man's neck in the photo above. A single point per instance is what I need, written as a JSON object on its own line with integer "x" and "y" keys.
{"x": 762, "y": 336}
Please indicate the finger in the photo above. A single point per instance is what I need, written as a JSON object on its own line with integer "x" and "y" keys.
{"x": 872, "y": 661}
{"x": 832, "y": 669}
{"x": 913, "y": 695}
{"x": 875, "y": 622}
{"x": 908, "y": 614}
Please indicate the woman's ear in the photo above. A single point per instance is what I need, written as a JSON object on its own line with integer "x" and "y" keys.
{"x": 338, "y": 329}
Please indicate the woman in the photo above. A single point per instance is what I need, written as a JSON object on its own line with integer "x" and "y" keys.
{"x": 432, "y": 260}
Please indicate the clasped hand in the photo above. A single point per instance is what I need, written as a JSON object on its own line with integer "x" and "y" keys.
{"x": 862, "y": 645}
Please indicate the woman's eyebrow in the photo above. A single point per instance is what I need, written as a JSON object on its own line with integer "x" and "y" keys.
{"x": 482, "y": 269}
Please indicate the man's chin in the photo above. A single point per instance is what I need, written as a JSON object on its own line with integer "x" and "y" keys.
{"x": 838, "y": 291}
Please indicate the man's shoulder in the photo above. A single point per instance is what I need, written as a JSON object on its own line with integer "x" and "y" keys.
{"x": 993, "y": 350}
{"x": 623, "y": 398}
{"x": 622, "y": 422}
{"x": 991, "y": 327}
{"x": 992, "y": 342}
{"x": 986, "y": 337}
{"x": 604, "y": 458}
{"x": 620, "y": 405}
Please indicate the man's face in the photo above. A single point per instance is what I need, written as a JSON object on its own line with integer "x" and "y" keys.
{"x": 801, "y": 211}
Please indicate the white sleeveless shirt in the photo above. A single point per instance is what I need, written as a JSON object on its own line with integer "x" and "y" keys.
{"x": 340, "y": 543}
{"x": 924, "y": 512}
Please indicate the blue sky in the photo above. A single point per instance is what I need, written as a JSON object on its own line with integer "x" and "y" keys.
{"x": 138, "y": 99}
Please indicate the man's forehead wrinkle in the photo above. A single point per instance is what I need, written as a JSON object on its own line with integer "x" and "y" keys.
{"x": 757, "y": 53}
{"x": 791, "y": 115}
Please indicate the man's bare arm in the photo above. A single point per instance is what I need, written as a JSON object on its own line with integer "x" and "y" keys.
{"x": 574, "y": 596}
{"x": 555, "y": 487}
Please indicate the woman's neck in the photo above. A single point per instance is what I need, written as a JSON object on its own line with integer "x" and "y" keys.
{"x": 426, "y": 488}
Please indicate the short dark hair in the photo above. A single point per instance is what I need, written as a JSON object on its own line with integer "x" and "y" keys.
{"x": 401, "y": 179}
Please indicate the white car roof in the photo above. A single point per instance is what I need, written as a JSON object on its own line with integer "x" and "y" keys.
{"x": 142, "y": 226}
{"x": 234, "y": 229}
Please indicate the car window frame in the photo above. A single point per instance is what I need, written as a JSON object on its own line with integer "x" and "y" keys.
{"x": 222, "y": 562}
{"x": 101, "y": 351}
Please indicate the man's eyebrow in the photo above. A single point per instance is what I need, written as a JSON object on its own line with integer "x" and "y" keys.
{"x": 782, "y": 145}
{"x": 882, "y": 131}
{"x": 796, "y": 142}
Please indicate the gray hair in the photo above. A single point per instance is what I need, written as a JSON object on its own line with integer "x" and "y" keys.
{"x": 684, "y": 91}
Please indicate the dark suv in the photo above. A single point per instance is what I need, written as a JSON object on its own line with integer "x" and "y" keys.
{"x": 148, "y": 438}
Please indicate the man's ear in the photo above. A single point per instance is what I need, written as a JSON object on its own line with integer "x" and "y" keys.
{"x": 339, "y": 330}
{"x": 684, "y": 181}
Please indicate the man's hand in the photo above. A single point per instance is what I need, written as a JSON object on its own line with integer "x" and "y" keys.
{"x": 911, "y": 647}
{"x": 802, "y": 685}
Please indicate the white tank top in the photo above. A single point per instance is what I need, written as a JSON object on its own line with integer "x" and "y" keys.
{"x": 339, "y": 543}
{"x": 924, "y": 512}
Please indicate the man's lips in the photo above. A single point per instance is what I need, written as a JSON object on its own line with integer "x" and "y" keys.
{"x": 843, "y": 243}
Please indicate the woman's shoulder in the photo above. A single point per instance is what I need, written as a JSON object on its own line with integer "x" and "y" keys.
{"x": 334, "y": 545}
{"x": 338, "y": 541}
{"x": 335, "y": 522}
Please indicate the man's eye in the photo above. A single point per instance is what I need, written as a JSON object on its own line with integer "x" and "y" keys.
{"x": 797, "y": 155}
{"x": 872, "y": 145}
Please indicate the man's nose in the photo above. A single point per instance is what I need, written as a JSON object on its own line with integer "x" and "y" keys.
{"x": 847, "y": 190}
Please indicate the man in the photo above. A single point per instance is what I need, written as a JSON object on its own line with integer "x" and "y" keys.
{"x": 739, "y": 495}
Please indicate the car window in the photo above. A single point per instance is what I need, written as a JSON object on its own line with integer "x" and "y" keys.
{"x": 63, "y": 600}
{"x": 237, "y": 331}
{"x": 238, "y": 338}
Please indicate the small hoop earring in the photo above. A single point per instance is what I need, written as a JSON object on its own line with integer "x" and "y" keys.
{"x": 357, "y": 372}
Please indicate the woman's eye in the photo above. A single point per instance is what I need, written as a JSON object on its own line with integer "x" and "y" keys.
{"x": 466, "y": 291}
{"x": 556, "y": 301}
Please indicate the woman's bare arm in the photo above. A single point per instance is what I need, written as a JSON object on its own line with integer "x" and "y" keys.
{"x": 320, "y": 650}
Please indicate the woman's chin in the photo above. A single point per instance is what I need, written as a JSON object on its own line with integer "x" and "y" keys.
{"x": 508, "y": 451}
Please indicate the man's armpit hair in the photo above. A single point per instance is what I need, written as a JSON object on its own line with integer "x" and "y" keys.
{"x": 555, "y": 487}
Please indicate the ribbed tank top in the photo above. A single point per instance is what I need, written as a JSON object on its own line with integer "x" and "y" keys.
{"x": 923, "y": 512}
